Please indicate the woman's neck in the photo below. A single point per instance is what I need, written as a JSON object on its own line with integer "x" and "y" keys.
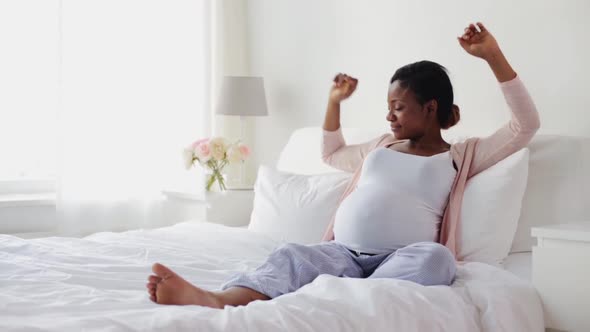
{"x": 428, "y": 142}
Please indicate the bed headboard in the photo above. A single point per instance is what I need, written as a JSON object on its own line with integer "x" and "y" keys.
{"x": 558, "y": 187}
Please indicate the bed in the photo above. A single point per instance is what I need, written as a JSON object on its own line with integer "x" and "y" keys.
{"x": 98, "y": 282}
{"x": 520, "y": 264}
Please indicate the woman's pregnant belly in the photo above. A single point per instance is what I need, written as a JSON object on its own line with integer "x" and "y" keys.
{"x": 377, "y": 220}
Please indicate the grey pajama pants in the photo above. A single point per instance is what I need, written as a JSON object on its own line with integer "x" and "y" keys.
{"x": 292, "y": 266}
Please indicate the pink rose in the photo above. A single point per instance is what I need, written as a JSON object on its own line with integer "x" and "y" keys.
{"x": 203, "y": 152}
{"x": 244, "y": 151}
{"x": 196, "y": 143}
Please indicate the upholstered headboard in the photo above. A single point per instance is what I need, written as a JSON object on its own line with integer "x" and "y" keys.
{"x": 558, "y": 187}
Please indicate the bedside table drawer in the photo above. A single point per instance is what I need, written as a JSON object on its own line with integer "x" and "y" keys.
{"x": 561, "y": 275}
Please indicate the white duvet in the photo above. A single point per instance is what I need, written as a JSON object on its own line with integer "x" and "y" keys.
{"x": 98, "y": 283}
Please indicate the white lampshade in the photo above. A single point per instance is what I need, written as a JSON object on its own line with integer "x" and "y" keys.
{"x": 242, "y": 95}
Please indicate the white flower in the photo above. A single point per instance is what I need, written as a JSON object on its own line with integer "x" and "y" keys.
{"x": 218, "y": 147}
{"x": 234, "y": 154}
{"x": 188, "y": 156}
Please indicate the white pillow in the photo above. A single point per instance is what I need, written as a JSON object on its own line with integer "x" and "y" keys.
{"x": 491, "y": 209}
{"x": 295, "y": 207}
{"x": 302, "y": 153}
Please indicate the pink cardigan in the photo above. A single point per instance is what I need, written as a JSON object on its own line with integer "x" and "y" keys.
{"x": 471, "y": 156}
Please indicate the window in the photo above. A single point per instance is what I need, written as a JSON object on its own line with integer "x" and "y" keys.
{"x": 28, "y": 93}
{"x": 89, "y": 86}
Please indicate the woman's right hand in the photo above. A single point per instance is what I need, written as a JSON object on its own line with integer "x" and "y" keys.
{"x": 342, "y": 88}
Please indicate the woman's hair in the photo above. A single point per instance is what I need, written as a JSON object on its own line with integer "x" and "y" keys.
{"x": 429, "y": 80}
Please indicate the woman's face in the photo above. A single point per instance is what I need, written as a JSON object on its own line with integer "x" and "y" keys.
{"x": 407, "y": 118}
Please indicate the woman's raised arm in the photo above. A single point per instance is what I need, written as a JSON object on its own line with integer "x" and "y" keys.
{"x": 524, "y": 121}
{"x": 335, "y": 151}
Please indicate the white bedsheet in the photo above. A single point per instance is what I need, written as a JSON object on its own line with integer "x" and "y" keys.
{"x": 98, "y": 283}
{"x": 520, "y": 264}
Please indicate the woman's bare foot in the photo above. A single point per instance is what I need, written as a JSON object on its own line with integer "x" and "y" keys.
{"x": 167, "y": 287}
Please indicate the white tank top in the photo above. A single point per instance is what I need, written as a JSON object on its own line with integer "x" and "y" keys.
{"x": 399, "y": 200}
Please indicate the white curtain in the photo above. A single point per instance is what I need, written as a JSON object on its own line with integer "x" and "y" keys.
{"x": 134, "y": 90}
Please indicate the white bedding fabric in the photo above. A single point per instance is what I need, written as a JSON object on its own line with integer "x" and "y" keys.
{"x": 520, "y": 264}
{"x": 98, "y": 283}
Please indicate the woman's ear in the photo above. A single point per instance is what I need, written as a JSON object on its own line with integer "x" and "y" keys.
{"x": 455, "y": 108}
{"x": 432, "y": 106}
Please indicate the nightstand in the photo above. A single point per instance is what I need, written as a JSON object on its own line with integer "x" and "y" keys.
{"x": 561, "y": 274}
{"x": 231, "y": 207}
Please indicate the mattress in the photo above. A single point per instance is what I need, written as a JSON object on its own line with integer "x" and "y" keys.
{"x": 98, "y": 283}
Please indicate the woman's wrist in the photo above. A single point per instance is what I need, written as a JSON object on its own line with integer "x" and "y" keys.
{"x": 332, "y": 102}
{"x": 332, "y": 118}
{"x": 494, "y": 55}
{"x": 500, "y": 66}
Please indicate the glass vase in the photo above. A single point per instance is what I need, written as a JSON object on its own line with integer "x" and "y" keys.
{"x": 212, "y": 177}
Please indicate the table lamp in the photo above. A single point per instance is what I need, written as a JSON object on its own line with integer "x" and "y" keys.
{"x": 242, "y": 96}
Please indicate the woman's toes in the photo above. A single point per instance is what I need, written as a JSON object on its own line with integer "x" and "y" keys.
{"x": 162, "y": 271}
{"x": 154, "y": 279}
{"x": 153, "y": 298}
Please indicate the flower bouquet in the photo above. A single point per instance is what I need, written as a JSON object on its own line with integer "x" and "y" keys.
{"x": 213, "y": 154}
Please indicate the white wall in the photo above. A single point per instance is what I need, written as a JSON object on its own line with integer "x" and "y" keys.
{"x": 231, "y": 57}
{"x": 298, "y": 46}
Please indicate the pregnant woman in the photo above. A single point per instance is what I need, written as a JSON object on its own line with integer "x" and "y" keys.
{"x": 398, "y": 217}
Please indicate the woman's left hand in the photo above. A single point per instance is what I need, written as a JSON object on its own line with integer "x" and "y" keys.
{"x": 479, "y": 43}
